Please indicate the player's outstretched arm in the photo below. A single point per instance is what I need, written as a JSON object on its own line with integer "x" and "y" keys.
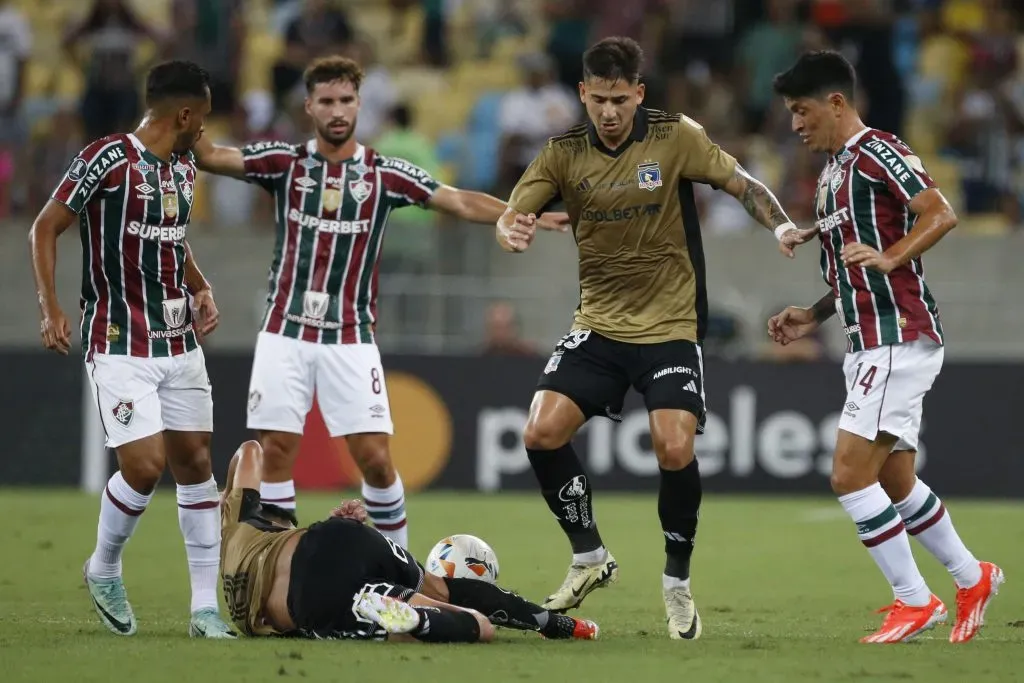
{"x": 762, "y": 205}
{"x": 53, "y": 220}
{"x": 935, "y": 217}
{"x": 219, "y": 159}
{"x": 795, "y": 322}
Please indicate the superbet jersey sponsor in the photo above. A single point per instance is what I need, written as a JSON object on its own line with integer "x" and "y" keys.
{"x": 134, "y": 209}
{"x": 331, "y": 218}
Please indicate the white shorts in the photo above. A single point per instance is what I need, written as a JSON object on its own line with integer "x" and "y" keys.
{"x": 885, "y": 390}
{"x": 348, "y": 380}
{"x": 139, "y": 397}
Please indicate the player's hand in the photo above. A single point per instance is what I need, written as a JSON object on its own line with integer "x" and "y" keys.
{"x": 861, "y": 255}
{"x": 350, "y": 509}
{"x": 55, "y": 331}
{"x": 557, "y": 221}
{"x": 204, "y": 310}
{"x": 519, "y": 234}
{"x": 791, "y": 324}
{"x": 794, "y": 238}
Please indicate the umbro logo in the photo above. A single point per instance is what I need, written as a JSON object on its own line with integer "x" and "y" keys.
{"x": 852, "y": 407}
{"x": 145, "y": 191}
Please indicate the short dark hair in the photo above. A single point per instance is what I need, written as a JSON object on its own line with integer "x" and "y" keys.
{"x": 177, "y": 78}
{"x": 334, "y": 68}
{"x": 613, "y": 59}
{"x": 815, "y": 74}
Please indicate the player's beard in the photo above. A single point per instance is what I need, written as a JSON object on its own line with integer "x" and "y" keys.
{"x": 335, "y": 139}
{"x": 186, "y": 142}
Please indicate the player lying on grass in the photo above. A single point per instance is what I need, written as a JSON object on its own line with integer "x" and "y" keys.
{"x": 342, "y": 579}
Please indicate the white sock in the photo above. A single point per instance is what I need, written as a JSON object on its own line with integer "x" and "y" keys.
{"x": 280, "y": 493}
{"x": 590, "y": 558}
{"x": 926, "y": 520}
{"x": 881, "y": 530}
{"x": 386, "y": 508}
{"x": 199, "y": 519}
{"x": 121, "y": 506}
{"x": 670, "y": 582}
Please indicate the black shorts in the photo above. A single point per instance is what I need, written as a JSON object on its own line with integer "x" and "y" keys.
{"x": 334, "y": 561}
{"x": 596, "y": 372}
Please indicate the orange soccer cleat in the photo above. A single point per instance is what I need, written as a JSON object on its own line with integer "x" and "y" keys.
{"x": 904, "y": 622}
{"x": 972, "y": 602}
{"x": 585, "y": 630}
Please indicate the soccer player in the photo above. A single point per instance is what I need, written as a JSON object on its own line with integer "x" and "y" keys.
{"x": 627, "y": 177}
{"x": 342, "y": 579}
{"x": 878, "y": 211}
{"x": 145, "y": 307}
{"x": 333, "y": 199}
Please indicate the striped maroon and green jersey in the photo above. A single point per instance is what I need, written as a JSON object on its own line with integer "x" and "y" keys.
{"x": 330, "y": 225}
{"x": 133, "y": 211}
{"x": 863, "y": 196}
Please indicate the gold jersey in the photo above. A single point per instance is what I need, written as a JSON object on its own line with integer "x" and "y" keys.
{"x": 249, "y": 550}
{"x": 641, "y": 260}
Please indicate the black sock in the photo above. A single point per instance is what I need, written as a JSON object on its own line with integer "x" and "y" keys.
{"x": 678, "y": 507}
{"x": 567, "y": 494}
{"x": 446, "y": 626}
{"x": 505, "y": 608}
{"x": 501, "y": 607}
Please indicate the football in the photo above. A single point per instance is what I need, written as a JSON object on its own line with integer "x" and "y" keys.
{"x": 463, "y": 557}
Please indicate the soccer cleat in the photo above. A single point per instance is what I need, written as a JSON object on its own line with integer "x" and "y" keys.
{"x": 579, "y": 582}
{"x": 683, "y": 619}
{"x": 206, "y": 623}
{"x": 110, "y": 601}
{"x": 903, "y": 622}
{"x": 564, "y": 627}
{"x": 972, "y": 602}
{"x": 585, "y": 630}
{"x": 394, "y": 616}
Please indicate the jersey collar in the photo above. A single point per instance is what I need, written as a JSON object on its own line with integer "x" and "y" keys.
{"x": 854, "y": 140}
{"x": 312, "y": 151}
{"x": 638, "y": 134}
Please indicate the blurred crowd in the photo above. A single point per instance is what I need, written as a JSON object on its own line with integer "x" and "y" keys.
{"x": 470, "y": 89}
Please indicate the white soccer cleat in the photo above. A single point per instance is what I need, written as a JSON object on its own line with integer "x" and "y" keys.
{"x": 110, "y": 601}
{"x": 683, "y": 618}
{"x": 580, "y": 582}
{"x": 392, "y": 615}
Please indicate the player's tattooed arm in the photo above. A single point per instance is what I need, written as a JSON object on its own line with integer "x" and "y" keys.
{"x": 762, "y": 205}
{"x": 824, "y": 308}
{"x": 757, "y": 199}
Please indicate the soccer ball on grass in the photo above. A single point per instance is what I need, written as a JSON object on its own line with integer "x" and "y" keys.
{"x": 463, "y": 557}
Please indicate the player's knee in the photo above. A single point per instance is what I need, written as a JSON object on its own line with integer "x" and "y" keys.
{"x": 143, "y": 474}
{"x": 846, "y": 480}
{"x": 674, "y": 453}
{"x": 376, "y": 465}
{"x": 897, "y": 476}
{"x": 278, "y": 455}
{"x": 544, "y": 434}
{"x": 193, "y": 462}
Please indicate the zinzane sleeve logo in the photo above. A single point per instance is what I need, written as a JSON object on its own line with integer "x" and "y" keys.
{"x": 406, "y": 184}
{"x": 894, "y": 164}
{"x": 88, "y": 172}
{"x": 268, "y": 162}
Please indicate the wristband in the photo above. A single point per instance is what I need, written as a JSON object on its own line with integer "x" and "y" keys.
{"x": 783, "y": 229}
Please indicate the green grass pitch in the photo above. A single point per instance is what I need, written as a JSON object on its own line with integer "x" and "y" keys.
{"x": 784, "y": 588}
